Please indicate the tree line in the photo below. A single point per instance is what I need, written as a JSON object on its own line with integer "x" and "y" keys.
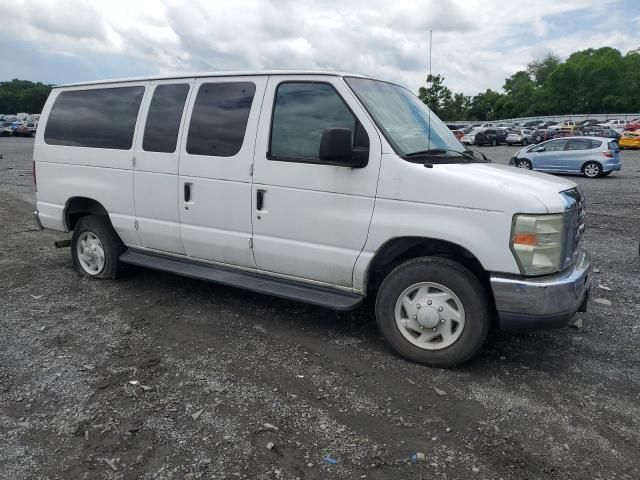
{"x": 590, "y": 81}
{"x": 23, "y": 96}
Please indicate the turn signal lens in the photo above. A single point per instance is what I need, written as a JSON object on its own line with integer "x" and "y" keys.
{"x": 525, "y": 239}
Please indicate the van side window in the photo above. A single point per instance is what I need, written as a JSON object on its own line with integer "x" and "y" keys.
{"x": 163, "y": 118}
{"x": 301, "y": 111}
{"x": 219, "y": 118}
{"x": 96, "y": 118}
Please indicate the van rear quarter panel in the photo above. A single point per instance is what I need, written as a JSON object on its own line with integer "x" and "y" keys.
{"x": 104, "y": 175}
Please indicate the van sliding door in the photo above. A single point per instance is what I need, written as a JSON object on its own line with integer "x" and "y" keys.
{"x": 157, "y": 158}
{"x": 215, "y": 169}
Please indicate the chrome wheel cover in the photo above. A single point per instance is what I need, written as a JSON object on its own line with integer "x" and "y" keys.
{"x": 592, "y": 170}
{"x": 430, "y": 316}
{"x": 90, "y": 253}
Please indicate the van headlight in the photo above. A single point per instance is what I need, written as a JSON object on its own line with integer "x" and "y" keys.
{"x": 537, "y": 242}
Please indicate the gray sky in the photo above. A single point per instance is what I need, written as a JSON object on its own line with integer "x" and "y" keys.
{"x": 476, "y": 44}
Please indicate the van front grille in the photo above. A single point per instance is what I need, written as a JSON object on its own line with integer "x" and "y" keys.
{"x": 575, "y": 212}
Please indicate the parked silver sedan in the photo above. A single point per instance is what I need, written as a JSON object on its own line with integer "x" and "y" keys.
{"x": 591, "y": 156}
{"x": 519, "y": 135}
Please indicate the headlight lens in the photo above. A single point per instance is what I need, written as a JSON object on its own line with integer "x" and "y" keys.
{"x": 537, "y": 243}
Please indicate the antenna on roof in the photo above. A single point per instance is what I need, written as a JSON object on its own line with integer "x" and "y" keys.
{"x": 430, "y": 78}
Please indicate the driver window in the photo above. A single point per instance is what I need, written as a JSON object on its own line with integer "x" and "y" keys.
{"x": 301, "y": 112}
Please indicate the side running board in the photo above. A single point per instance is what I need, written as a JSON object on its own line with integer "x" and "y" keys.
{"x": 321, "y": 296}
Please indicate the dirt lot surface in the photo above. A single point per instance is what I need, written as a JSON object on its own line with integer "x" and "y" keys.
{"x": 158, "y": 376}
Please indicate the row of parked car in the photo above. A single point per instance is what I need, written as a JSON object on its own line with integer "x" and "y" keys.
{"x": 18, "y": 129}
{"x": 490, "y": 133}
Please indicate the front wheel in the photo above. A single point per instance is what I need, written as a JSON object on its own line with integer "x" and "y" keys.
{"x": 592, "y": 170}
{"x": 96, "y": 247}
{"x": 524, "y": 163}
{"x": 433, "y": 311}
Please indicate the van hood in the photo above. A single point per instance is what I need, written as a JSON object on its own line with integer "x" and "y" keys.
{"x": 478, "y": 186}
{"x": 504, "y": 178}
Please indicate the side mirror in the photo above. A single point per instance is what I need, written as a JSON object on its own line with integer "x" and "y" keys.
{"x": 336, "y": 148}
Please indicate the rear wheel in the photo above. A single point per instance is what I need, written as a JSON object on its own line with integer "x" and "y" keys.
{"x": 433, "y": 311}
{"x": 524, "y": 163}
{"x": 96, "y": 247}
{"x": 592, "y": 169}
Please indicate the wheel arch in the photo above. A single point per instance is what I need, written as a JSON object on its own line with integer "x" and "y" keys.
{"x": 400, "y": 249}
{"x": 78, "y": 207}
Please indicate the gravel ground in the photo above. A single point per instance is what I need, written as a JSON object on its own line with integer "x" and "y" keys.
{"x": 232, "y": 384}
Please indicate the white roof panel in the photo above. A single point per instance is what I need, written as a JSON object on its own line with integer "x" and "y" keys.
{"x": 214, "y": 74}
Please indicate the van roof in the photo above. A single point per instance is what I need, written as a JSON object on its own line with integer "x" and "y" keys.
{"x": 215, "y": 74}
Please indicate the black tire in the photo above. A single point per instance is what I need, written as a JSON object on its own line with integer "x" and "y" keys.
{"x": 524, "y": 163}
{"x": 494, "y": 142}
{"x": 456, "y": 278}
{"x": 113, "y": 247}
{"x": 591, "y": 166}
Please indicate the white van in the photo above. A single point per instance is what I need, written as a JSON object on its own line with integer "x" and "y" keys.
{"x": 313, "y": 186}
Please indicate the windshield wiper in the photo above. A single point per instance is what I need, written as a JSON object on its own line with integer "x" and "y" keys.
{"x": 441, "y": 151}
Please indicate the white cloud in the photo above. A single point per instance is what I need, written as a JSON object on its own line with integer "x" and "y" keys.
{"x": 477, "y": 43}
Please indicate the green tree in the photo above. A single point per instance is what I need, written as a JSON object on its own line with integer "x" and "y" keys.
{"x": 540, "y": 70}
{"x": 435, "y": 95}
{"x": 483, "y": 105}
{"x": 630, "y": 81}
{"x": 456, "y": 107}
{"x": 23, "y": 96}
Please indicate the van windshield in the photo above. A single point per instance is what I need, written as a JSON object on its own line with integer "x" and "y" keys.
{"x": 407, "y": 123}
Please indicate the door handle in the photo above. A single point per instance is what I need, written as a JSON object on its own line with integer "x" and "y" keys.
{"x": 187, "y": 192}
{"x": 260, "y": 200}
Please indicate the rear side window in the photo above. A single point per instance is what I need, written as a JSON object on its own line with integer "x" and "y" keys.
{"x": 219, "y": 118}
{"x": 163, "y": 119}
{"x": 579, "y": 145}
{"x": 555, "y": 145}
{"x": 595, "y": 143}
{"x": 97, "y": 118}
{"x": 300, "y": 114}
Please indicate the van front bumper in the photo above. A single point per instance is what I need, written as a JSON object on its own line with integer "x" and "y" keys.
{"x": 550, "y": 301}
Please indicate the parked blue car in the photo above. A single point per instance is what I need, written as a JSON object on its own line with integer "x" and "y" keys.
{"x": 590, "y": 156}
